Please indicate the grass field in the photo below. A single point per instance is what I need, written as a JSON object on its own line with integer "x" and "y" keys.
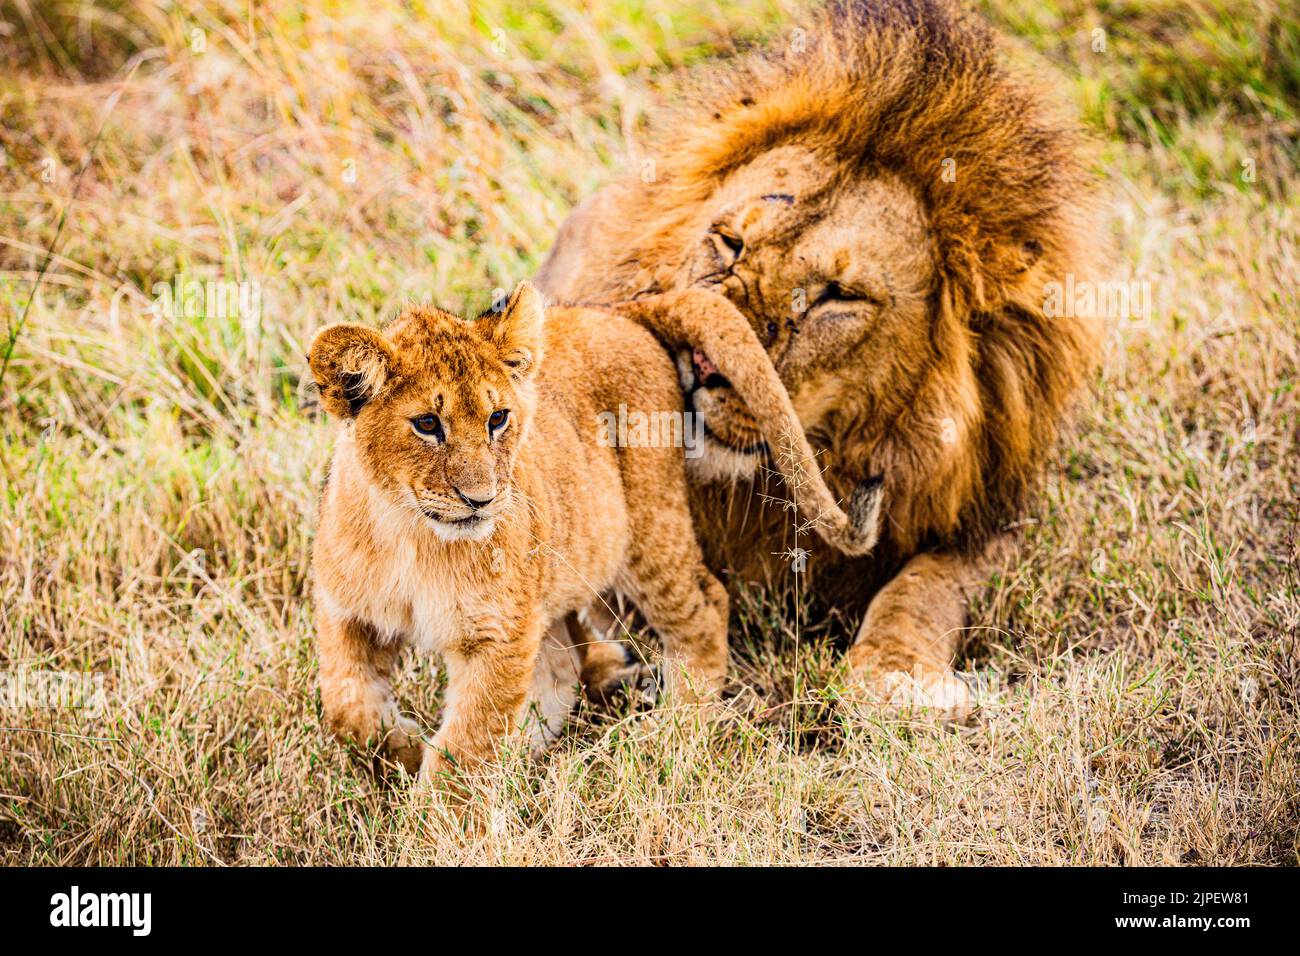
{"x": 1139, "y": 654}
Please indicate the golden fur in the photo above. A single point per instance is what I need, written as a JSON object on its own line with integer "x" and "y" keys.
{"x": 473, "y": 504}
{"x": 886, "y": 202}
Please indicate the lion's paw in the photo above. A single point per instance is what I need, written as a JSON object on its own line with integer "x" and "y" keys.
{"x": 937, "y": 695}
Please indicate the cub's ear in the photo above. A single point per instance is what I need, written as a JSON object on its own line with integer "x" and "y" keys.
{"x": 350, "y": 363}
{"x": 518, "y": 331}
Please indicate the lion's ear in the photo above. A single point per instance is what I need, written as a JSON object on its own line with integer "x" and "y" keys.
{"x": 350, "y": 363}
{"x": 518, "y": 332}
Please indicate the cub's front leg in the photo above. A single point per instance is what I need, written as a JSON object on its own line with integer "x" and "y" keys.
{"x": 356, "y": 689}
{"x": 489, "y": 670}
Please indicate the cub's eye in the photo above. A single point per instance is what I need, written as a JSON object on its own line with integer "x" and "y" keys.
{"x": 498, "y": 419}
{"x": 429, "y": 425}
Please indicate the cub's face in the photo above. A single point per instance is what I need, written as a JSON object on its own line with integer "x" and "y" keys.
{"x": 443, "y": 439}
{"x": 439, "y": 405}
{"x": 836, "y": 279}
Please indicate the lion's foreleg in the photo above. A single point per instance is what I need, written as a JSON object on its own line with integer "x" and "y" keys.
{"x": 904, "y": 652}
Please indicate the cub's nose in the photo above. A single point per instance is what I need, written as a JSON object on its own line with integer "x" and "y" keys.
{"x": 479, "y": 501}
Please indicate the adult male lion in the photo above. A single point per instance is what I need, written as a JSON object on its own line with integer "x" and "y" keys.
{"x": 885, "y": 201}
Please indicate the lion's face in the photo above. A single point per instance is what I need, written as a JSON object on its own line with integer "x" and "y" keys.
{"x": 440, "y": 406}
{"x": 886, "y": 203}
{"x": 835, "y": 276}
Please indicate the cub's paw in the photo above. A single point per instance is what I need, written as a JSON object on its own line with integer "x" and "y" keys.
{"x": 680, "y": 685}
{"x": 941, "y": 696}
{"x": 614, "y": 679}
{"x": 864, "y": 515}
{"x": 402, "y": 744}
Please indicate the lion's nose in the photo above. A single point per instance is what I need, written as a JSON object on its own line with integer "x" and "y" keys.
{"x": 477, "y": 500}
{"x": 704, "y": 366}
{"x": 706, "y": 373}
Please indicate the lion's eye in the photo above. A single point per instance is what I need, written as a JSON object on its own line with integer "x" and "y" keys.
{"x": 835, "y": 292}
{"x": 498, "y": 419}
{"x": 730, "y": 239}
{"x": 430, "y": 425}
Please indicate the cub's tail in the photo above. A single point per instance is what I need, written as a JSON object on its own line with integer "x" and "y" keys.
{"x": 701, "y": 319}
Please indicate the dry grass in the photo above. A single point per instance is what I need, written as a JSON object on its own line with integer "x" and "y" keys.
{"x": 1139, "y": 654}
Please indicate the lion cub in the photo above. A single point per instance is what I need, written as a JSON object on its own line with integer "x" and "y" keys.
{"x": 472, "y": 503}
